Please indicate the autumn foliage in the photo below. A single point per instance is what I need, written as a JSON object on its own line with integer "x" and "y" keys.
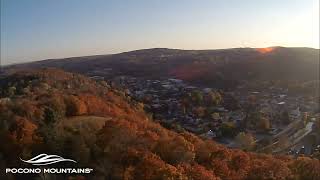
{"x": 129, "y": 146}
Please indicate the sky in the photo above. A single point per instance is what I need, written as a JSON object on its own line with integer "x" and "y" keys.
{"x": 43, "y": 29}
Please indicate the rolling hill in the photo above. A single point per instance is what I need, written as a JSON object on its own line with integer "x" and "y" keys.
{"x": 213, "y": 68}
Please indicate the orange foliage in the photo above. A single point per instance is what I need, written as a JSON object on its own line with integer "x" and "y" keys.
{"x": 23, "y": 131}
{"x": 306, "y": 168}
{"x": 130, "y": 146}
{"x": 197, "y": 172}
{"x": 75, "y": 106}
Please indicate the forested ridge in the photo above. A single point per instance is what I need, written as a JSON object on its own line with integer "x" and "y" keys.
{"x": 56, "y": 112}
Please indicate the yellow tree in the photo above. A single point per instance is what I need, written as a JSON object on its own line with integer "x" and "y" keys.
{"x": 245, "y": 141}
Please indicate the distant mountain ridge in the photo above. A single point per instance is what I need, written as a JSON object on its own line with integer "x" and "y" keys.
{"x": 209, "y": 67}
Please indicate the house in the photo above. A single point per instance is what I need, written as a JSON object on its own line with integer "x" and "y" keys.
{"x": 156, "y": 106}
{"x": 177, "y": 81}
{"x": 5, "y": 100}
{"x": 295, "y": 114}
{"x": 190, "y": 88}
{"x": 211, "y": 134}
{"x": 221, "y": 109}
{"x": 282, "y": 96}
{"x": 97, "y": 77}
{"x": 207, "y": 90}
{"x": 167, "y": 86}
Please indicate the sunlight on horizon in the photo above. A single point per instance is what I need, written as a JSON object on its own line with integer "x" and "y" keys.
{"x": 32, "y": 30}
{"x": 265, "y": 50}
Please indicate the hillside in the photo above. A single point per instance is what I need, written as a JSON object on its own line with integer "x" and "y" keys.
{"x": 223, "y": 68}
{"x": 52, "y": 111}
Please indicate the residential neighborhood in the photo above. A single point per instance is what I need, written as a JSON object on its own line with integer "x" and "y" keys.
{"x": 267, "y": 115}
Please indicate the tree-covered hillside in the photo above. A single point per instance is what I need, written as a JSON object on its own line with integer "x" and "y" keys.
{"x": 56, "y": 112}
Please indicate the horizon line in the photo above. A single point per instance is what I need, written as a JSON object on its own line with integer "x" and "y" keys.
{"x": 182, "y": 49}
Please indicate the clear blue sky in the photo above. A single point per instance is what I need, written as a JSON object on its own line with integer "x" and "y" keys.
{"x": 41, "y": 29}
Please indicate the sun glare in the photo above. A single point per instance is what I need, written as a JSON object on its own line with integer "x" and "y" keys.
{"x": 265, "y": 50}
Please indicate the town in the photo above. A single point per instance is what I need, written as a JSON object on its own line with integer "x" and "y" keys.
{"x": 272, "y": 121}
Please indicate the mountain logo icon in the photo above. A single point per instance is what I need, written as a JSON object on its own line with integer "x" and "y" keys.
{"x": 45, "y": 159}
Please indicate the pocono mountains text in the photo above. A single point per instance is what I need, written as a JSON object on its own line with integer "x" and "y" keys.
{"x": 49, "y": 170}
{"x": 44, "y": 160}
